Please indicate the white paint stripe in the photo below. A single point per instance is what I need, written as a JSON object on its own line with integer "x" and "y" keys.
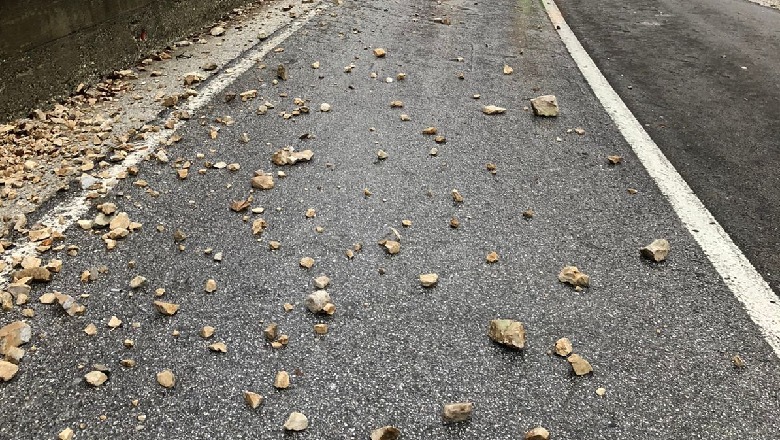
{"x": 739, "y": 275}
{"x": 69, "y": 211}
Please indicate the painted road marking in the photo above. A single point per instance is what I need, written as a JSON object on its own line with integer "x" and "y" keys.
{"x": 737, "y": 272}
{"x": 69, "y": 211}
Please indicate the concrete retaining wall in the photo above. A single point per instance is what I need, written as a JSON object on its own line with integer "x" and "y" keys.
{"x": 48, "y": 46}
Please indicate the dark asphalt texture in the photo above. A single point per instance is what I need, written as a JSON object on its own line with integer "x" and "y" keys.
{"x": 679, "y": 68}
{"x": 659, "y": 336}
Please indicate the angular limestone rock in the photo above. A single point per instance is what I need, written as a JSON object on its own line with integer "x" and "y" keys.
{"x": 380, "y": 52}
{"x": 507, "y": 332}
{"x": 563, "y": 347}
{"x": 386, "y": 433}
{"x": 296, "y": 422}
{"x": 429, "y": 279}
{"x": 317, "y": 301}
{"x": 579, "y": 365}
{"x": 392, "y": 247}
{"x": 656, "y": 251}
{"x": 8, "y": 370}
{"x": 493, "y": 110}
{"x": 282, "y": 380}
{"x": 95, "y": 378}
{"x": 573, "y": 276}
{"x": 252, "y": 399}
{"x": 13, "y": 335}
{"x": 262, "y": 181}
{"x": 546, "y": 105}
{"x": 537, "y": 434}
{"x": 166, "y": 308}
{"x": 287, "y": 156}
{"x": 457, "y": 412}
{"x": 321, "y": 282}
{"x": 166, "y": 379}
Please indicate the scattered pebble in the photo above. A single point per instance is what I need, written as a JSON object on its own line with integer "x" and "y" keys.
{"x": 507, "y": 332}
{"x": 296, "y": 422}
{"x": 386, "y": 433}
{"x": 656, "y": 251}
{"x": 457, "y": 412}
{"x": 573, "y": 276}
{"x": 429, "y": 279}
{"x": 166, "y": 379}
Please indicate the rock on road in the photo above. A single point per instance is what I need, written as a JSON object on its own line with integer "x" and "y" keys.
{"x": 506, "y": 202}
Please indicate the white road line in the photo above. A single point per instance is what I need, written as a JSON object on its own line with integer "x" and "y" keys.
{"x": 69, "y": 211}
{"x": 739, "y": 275}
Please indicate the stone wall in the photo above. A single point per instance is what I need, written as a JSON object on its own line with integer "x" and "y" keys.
{"x": 47, "y": 47}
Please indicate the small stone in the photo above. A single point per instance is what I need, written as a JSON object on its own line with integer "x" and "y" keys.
{"x": 274, "y": 245}
{"x": 396, "y": 104}
{"x": 404, "y": 117}
{"x": 218, "y": 347}
{"x": 386, "y": 433}
{"x": 263, "y": 181}
{"x": 217, "y": 31}
{"x": 429, "y": 279}
{"x": 457, "y": 412}
{"x": 493, "y": 110}
{"x": 381, "y": 155}
{"x": 252, "y": 399}
{"x": 738, "y": 362}
{"x": 579, "y": 365}
{"x": 614, "y": 160}
{"x": 321, "y": 282}
{"x": 454, "y": 223}
{"x": 166, "y": 379}
{"x": 271, "y": 331}
{"x": 317, "y": 301}
{"x": 307, "y": 262}
{"x": 507, "y": 332}
{"x": 508, "y": 70}
{"x": 406, "y": 223}
{"x": 66, "y": 434}
{"x": 137, "y": 282}
{"x": 573, "y": 276}
{"x": 528, "y": 213}
{"x": 321, "y": 329}
{"x": 8, "y": 370}
{"x": 440, "y": 139}
{"x": 282, "y": 380}
{"x": 211, "y": 286}
{"x": 296, "y": 422}
{"x": 90, "y": 329}
{"x": 281, "y": 72}
{"x": 96, "y": 378}
{"x": 563, "y": 347}
{"x": 456, "y": 196}
{"x": 379, "y": 52}
{"x": 166, "y": 308}
{"x": 430, "y": 131}
{"x": 324, "y": 107}
{"x": 206, "y": 332}
{"x": 329, "y": 308}
{"x": 601, "y": 391}
{"x": 392, "y": 247}
{"x": 492, "y": 257}
{"x": 127, "y": 363}
{"x": 114, "y": 322}
{"x": 537, "y": 434}
{"x": 656, "y": 251}
{"x": 546, "y": 105}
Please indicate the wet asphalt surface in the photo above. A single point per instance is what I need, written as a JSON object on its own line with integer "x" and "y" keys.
{"x": 660, "y": 337}
{"x": 702, "y": 77}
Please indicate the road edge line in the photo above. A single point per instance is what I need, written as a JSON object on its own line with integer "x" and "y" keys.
{"x": 64, "y": 214}
{"x": 739, "y": 275}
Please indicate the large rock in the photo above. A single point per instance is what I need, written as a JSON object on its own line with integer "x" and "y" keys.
{"x": 457, "y": 412}
{"x": 7, "y": 371}
{"x": 13, "y": 335}
{"x": 296, "y": 422}
{"x": 546, "y": 105}
{"x": 656, "y": 251}
{"x": 573, "y": 276}
{"x": 507, "y": 332}
{"x": 317, "y": 301}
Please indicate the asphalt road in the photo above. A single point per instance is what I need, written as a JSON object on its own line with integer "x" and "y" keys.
{"x": 660, "y": 337}
{"x": 702, "y": 76}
